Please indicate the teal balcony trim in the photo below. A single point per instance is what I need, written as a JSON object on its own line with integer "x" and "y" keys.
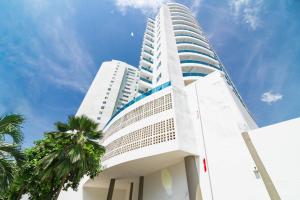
{"x": 147, "y": 69}
{"x": 142, "y": 96}
{"x": 193, "y": 44}
{"x": 191, "y": 37}
{"x": 146, "y": 80}
{"x": 148, "y": 52}
{"x": 148, "y": 60}
{"x": 149, "y": 45}
{"x": 197, "y": 52}
{"x": 200, "y": 62}
{"x": 150, "y": 40}
{"x": 186, "y": 74}
{"x": 186, "y": 29}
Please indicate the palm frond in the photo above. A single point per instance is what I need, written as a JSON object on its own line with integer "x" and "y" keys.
{"x": 12, "y": 150}
{"x": 6, "y": 173}
{"x": 11, "y": 125}
{"x": 62, "y": 127}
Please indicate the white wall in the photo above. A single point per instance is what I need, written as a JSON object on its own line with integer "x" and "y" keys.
{"x": 219, "y": 123}
{"x": 278, "y": 147}
{"x": 167, "y": 184}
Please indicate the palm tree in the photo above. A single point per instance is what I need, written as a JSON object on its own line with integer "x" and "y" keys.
{"x": 77, "y": 154}
{"x": 10, "y": 152}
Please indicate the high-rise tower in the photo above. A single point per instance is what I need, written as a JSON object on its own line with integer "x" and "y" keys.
{"x": 172, "y": 127}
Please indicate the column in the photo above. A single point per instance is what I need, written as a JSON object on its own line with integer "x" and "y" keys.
{"x": 192, "y": 178}
{"x": 111, "y": 189}
{"x": 141, "y": 187}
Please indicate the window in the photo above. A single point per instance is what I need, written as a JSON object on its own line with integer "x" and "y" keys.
{"x": 158, "y": 78}
{"x": 109, "y": 89}
{"x": 102, "y": 107}
{"x": 159, "y": 64}
{"x": 104, "y": 102}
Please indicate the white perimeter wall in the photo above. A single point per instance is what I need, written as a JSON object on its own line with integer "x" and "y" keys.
{"x": 167, "y": 184}
{"x": 278, "y": 147}
{"x": 218, "y": 123}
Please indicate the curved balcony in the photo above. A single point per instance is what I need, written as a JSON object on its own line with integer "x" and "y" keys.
{"x": 183, "y": 22}
{"x": 195, "y": 47}
{"x": 181, "y": 8}
{"x": 195, "y": 55}
{"x": 182, "y": 31}
{"x": 190, "y": 77}
{"x": 174, "y": 14}
{"x": 177, "y": 4}
{"x": 198, "y": 66}
{"x": 192, "y": 38}
{"x": 186, "y": 27}
{"x": 189, "y": 19}
{"x": 176, "y": 10}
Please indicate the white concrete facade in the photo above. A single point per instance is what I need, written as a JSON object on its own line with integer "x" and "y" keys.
{"x": 182, "y": 104}
{"x": 113, "y": 87}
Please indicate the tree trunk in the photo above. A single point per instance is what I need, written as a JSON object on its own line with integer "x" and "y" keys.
{"x": 55, "y": 197}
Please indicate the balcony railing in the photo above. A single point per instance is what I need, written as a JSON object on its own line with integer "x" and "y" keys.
{"x": 148, "y": 60}
{"x": 146, "y": 80}
{"x": 149, "y": 52}
{"x": 186, "y": 29}
{"x": 197, "y": 52}
{"x": 142, "y": 96}
{"x": 149, "y": 45}
{"x": 193, "y": 44}
{"x": 199, "y": 62}
{"x": 147, "y": 69}
{"x": 185, "y": 74}
{"x": 191, "y": 36}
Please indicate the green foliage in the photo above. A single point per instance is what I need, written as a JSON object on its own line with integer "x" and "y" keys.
{"x": 10, "y": 152}
{"x": 59, "y": 160}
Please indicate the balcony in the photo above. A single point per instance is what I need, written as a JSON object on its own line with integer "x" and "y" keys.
{"x": 196, "y": 52}
{"x": 189, "y": 19}
{"x": 148, "y": 60}
{"x": 148, "y": 52}
{"x": 147, "y": 69}
{"x": 186, "y": 74}
{"x": 193, "y": 30}
{"x": 199, "y": 62}
{"x": 193, "y": 43}
{"x": 148, "y": 45}
{"x": 186, "y": 35}
{"x": 183, "y": 22}
{"x": 146, "y": 80}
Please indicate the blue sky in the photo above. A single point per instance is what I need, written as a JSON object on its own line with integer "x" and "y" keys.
{"x": 50, "y": 51}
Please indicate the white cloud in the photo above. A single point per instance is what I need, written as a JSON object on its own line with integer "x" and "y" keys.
{"x": 146, "y": 6}
{"x": 270, "y": 97}
{"x": 247, "y": 11}
{"x": 195, "y": 6}
{"x": 64, "y": 59}
{"x": 132, "y": 34}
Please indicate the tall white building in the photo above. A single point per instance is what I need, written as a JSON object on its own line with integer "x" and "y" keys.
{"x": 173, "y": 126}
{"x": 114, "y": 86}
